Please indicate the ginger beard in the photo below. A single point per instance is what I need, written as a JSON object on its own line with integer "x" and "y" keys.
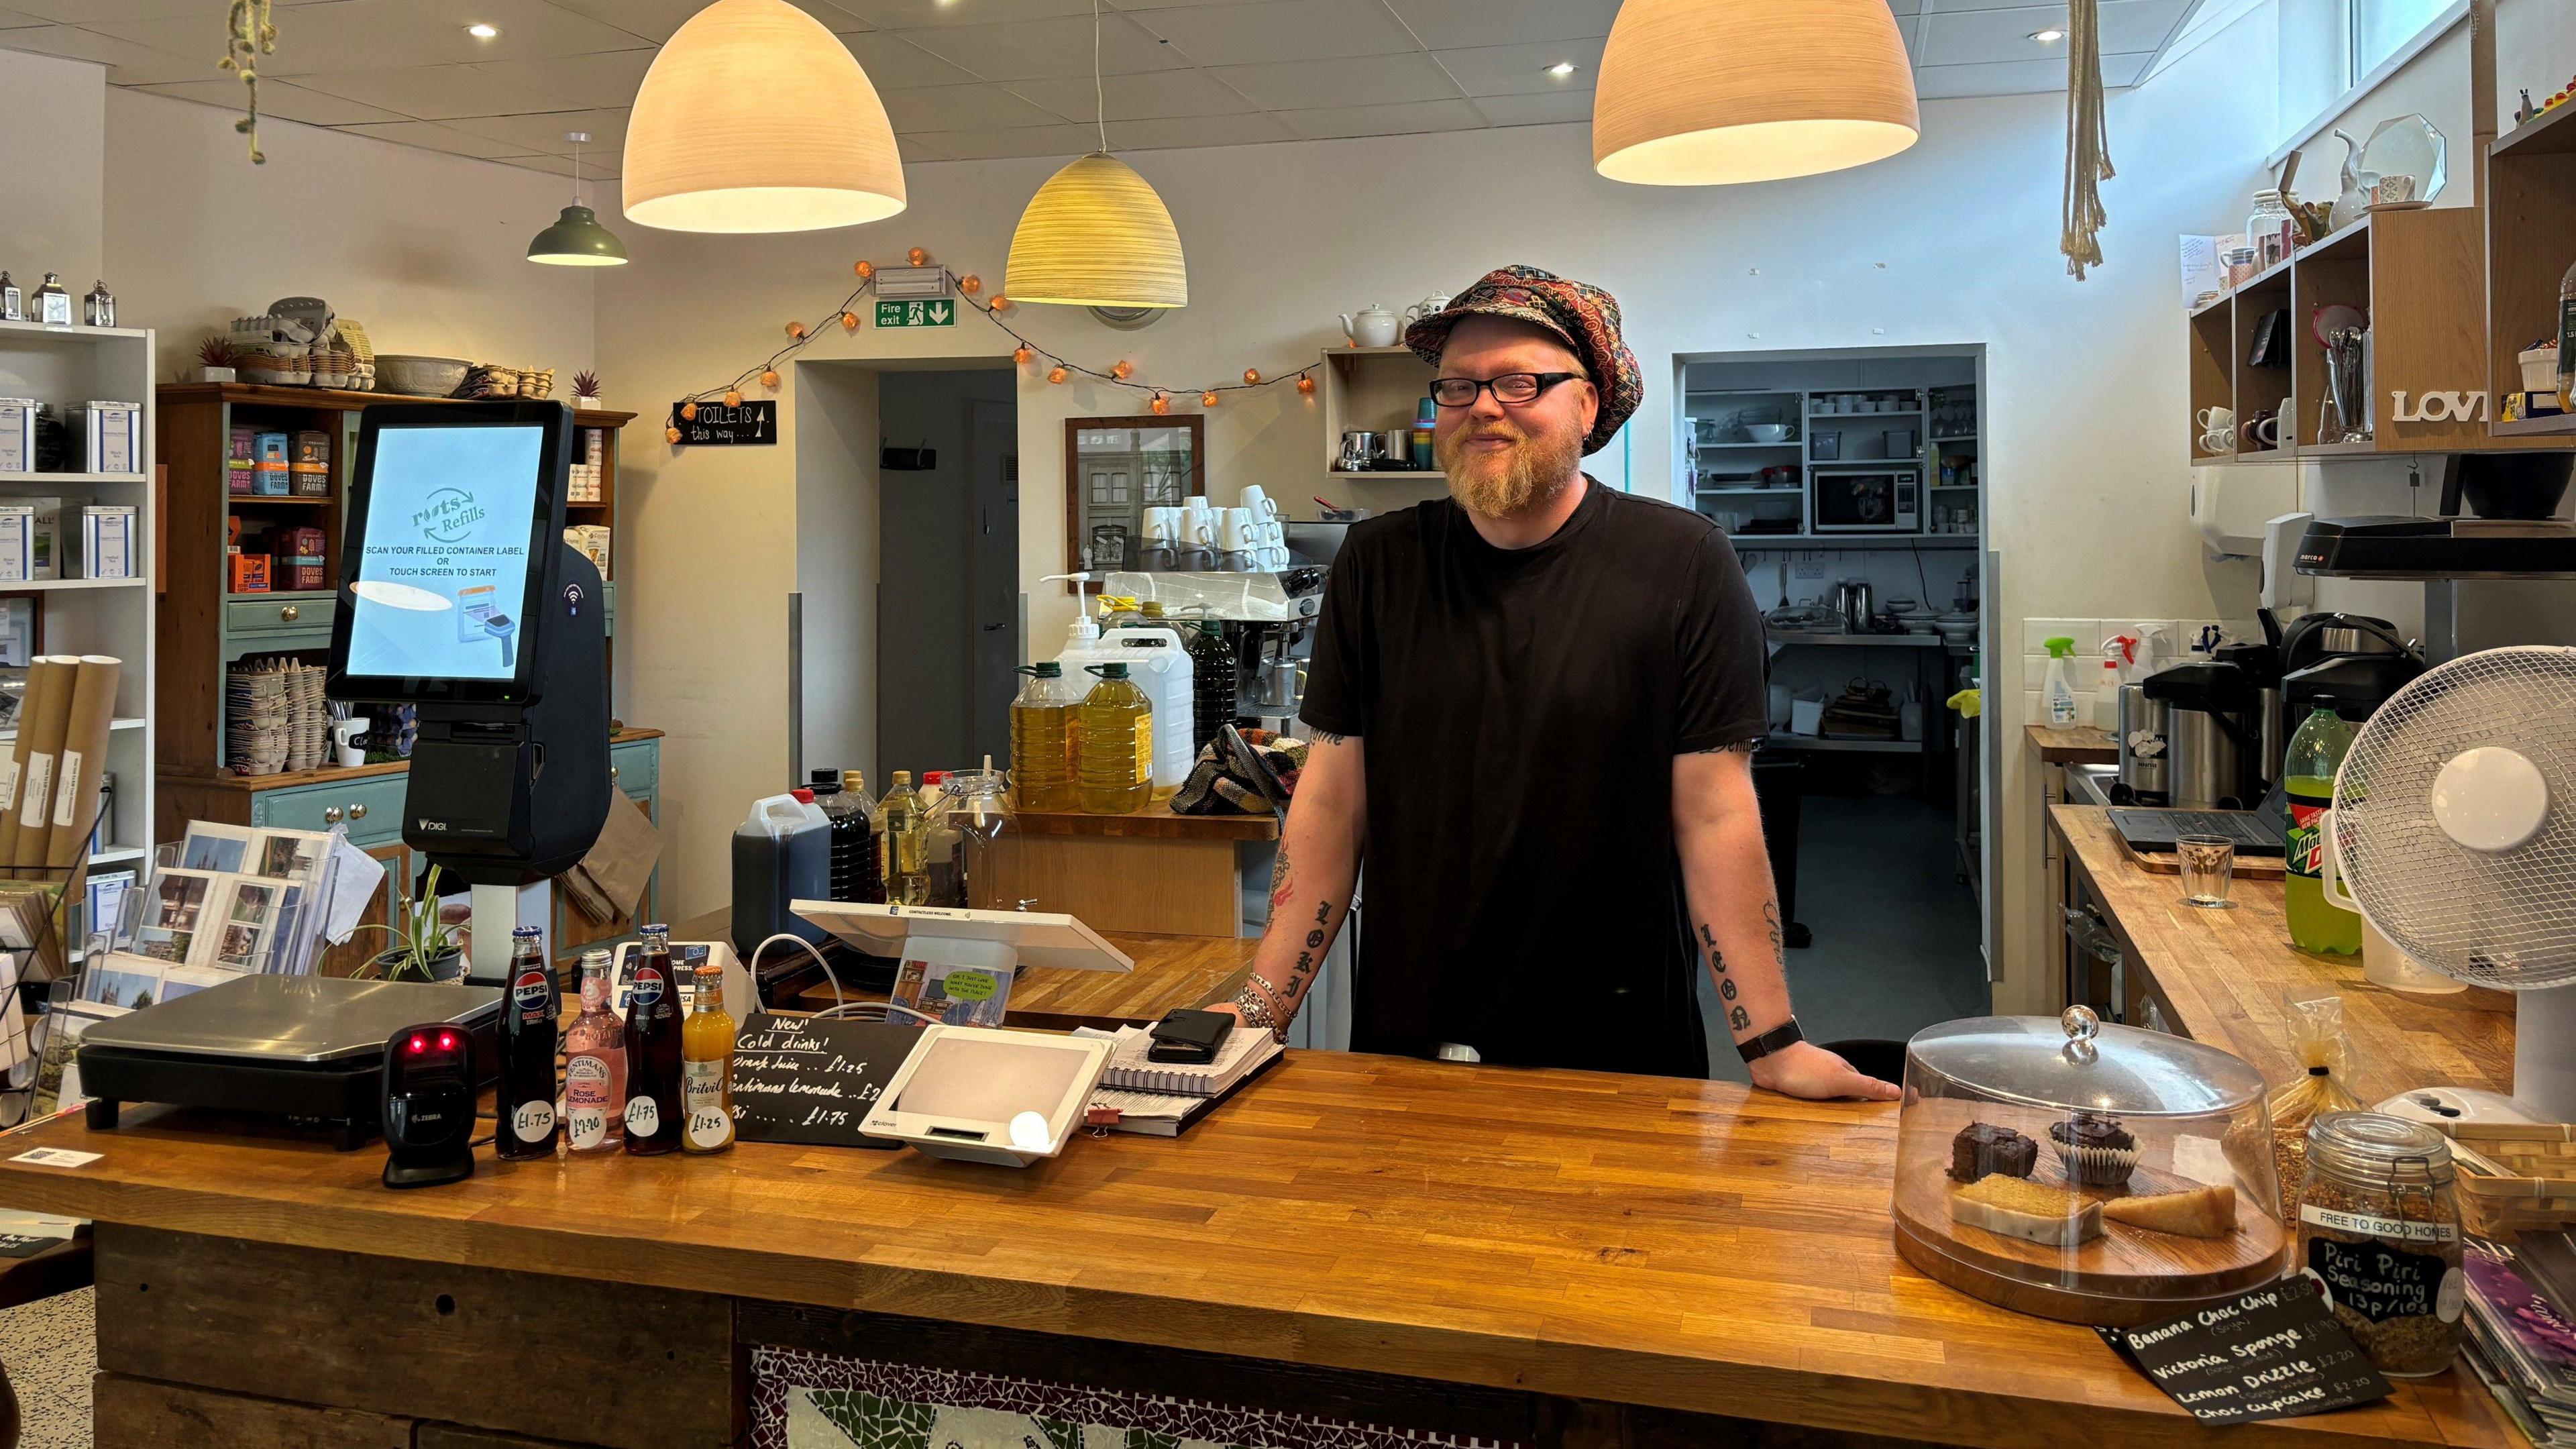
{"x": 1510, "y": 482}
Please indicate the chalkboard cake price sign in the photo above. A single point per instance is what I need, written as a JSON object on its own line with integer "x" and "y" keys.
{"x": 2268, "y": 1354}
{"x": 812, "y": 1079}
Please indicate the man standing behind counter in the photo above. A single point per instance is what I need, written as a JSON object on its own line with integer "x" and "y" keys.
{"x": 1534, "y": 708}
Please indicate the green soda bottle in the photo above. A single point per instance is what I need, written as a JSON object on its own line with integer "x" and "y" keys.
{"x": 2316, "y": 753}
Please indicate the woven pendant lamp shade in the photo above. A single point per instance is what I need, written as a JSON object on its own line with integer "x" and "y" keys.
{"x": 755, "y": 118}
{"x": 1695, "y": 93}
{"x": 1096, "y": 235}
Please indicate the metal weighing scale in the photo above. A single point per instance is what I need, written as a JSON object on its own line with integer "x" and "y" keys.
{"x": 304, "y": 1047}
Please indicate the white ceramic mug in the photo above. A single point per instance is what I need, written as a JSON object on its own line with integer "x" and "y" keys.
{"x": 1162, "y": 525}
{"x": 1259, "y": 502}
{"x": 1274, "y": 533}
{"x": 1198, "y": 530}
{"x": 1236, "y": 532}
{"x": 2216, "y": 420}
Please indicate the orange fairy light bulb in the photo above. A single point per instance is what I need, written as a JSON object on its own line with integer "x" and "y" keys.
{"x": 1252, "y": 377}
{"x": 1161, "y": 404}
{"x": 849, "y": 321}
{"x": 865, "y": 269}
{"x": 689, "y": 411}
{"x": 796, "y": 329}
{"x": 670, "y": 435}
{"x": 1306, "y": 384}
{"x": 733, "y": 397}
{"x": 1056, "y": 373}
{"x": 1022, "y": 353}
{"x": 769, "y": 378}
{"x": 1207, "y": 399}
{"x": 1121, "y": 368}
{"x": 916, "y": 256}
{"x": 970, "y": 284}
{"x": 1001, "y": 303}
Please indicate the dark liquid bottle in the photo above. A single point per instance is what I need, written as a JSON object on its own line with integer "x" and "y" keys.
{"x": 654, "y": 1119}
{"x": 526, "y": 1105}
{"x": 867, "y": 846}
{"x": 1213, "y": 685}
{"x": 849, "y": 830}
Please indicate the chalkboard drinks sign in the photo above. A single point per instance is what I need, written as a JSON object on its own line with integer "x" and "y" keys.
{"x": 812, "y": 1079}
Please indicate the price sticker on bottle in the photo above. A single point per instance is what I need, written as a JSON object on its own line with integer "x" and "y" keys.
{"x": 587, "y": 1127}
{"x": 534, "y": 1121}
{"x": 709, "y": 1127}
{"x": 643, "y": 1117}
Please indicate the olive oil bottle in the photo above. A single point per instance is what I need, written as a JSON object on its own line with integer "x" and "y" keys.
{"x": 1042, "y": 739}
{"x": 1114, "y": 745}
{"x": 907, "y": 844}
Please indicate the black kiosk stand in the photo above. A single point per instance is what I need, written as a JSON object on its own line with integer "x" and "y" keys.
{"x": 459, "y": 596}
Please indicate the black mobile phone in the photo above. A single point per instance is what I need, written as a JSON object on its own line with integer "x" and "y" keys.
{"x": 1189, "y": 1037}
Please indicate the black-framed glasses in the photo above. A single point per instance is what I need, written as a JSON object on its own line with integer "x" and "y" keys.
{"x": 1511, "y": 389}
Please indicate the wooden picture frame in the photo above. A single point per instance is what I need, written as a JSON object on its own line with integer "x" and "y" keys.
{"x": 1097, "y": 528}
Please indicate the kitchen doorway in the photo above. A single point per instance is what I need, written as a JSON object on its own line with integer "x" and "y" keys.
{"x": 948, "y": 620}
{"x": 1853, "y": 487}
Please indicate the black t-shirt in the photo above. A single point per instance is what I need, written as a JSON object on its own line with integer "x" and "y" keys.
{"x": 1521, "y": 710}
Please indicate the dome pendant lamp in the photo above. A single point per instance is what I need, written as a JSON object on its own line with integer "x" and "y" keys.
{"x": 1696, "y": 94}
{"x": 1097, "y": 235}
{"x": 577, "y": 239}
{"x": 754, "y": 118}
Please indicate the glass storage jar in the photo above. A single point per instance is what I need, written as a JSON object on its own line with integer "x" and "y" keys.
{"x": 2095, "y": 1174}
{"x": 2380, "y": 1227}
{"x": 972, "y": 810}
{"x": 2271, "y": 230}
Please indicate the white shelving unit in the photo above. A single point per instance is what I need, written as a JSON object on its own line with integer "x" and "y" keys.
{"x": 98, "y": 616}
{"x": 1709, "y": 448}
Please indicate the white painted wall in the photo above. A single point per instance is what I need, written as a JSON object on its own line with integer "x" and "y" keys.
{"x": 55, "y": 113}
{"x": 1954, "y": 243}
{"x": 429, "y": 251}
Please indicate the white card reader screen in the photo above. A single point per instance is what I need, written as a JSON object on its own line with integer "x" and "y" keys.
{"x": 443, "y": 571}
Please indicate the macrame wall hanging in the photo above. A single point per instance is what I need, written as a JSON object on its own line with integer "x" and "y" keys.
{"x": 2088, "y": 142}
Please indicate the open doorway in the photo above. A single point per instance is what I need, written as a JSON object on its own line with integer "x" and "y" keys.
{"x": 1852, "y": 485}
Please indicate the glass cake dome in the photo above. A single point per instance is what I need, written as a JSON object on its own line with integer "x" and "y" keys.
{"x": 2096, "y": 1174}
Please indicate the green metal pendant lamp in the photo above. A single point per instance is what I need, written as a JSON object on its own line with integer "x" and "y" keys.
{"x": 577, "y": 239}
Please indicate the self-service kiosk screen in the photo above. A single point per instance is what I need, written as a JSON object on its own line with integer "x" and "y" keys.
{"x": 441, "y": 578}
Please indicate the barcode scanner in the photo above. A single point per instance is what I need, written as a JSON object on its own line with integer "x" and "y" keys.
{"x": 428, "y": 1107}
{"x": 501, "y": 627}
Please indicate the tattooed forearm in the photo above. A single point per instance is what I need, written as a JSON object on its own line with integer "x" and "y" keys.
{"x": 1327, "y": 737}
{"x": 1739, "y": 1019}
{"x": 1716, "y": 957}
{"x": 1771, "y": 922}
{"x": 1739, "y": 747}
{"x": 1281, "y": 881}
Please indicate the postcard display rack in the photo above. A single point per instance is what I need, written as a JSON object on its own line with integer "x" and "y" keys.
{"x": 223, "y": 901}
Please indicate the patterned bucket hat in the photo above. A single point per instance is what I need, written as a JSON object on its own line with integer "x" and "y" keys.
{"x": 1586, "y": 317}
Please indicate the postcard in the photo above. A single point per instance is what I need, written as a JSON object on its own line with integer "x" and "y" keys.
{"x": 214, "y": 847}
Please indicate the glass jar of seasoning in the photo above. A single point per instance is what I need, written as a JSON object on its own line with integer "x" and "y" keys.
{"x": 2379, "y": 1225}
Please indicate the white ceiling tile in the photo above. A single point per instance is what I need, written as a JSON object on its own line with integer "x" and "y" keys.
{"x": 356, "y": 33}
{"x": 1458, "y": 24}
{"x": 128, "y": 63}
{"x": 2018, "y": 77}
{"x": 1031, "y": 49}
{"x": 608, "y": 79}
{"x": 1154, "y": 96}
{"x": 93, "y": 12}
{"x": 1357, "y": 81}
{"x": 1971, "y": 37}
{"x": 1280, "y": 30}
{"x": 593, "y": 169}
{"x": 1250, "y": 128}
{"x": 894, "y": 63}
{"x": 1502, "y": 70}
{"x": 276, "y": 98}
{"x": 1390, "y": 120}
{"x": 1546, "y": 109}
{"x": 543, "y": 134}
{"x": 654, "y": 20}
{"x": 15, "y": 19}
{"x": 917, "y": 14}
{"x": 1065, "y": 141}
{"x": 977, "y": 107}
{"x": 431, "y": 136}
{"x": 437, "y": 92}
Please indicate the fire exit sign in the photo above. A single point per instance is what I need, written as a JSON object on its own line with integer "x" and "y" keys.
{"x": 917, "y": 314}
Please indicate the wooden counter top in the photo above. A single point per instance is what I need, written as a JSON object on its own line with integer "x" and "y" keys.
{"x": 2073, "y": 744}
{"x": 334, "y": 774}
{"x": 1154, "y": 822}
{"x": 1635, "y": 1240}
{"x": 2218, "y": 977}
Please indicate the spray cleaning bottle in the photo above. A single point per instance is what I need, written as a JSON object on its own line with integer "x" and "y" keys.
{"x": 2057, "y": 694}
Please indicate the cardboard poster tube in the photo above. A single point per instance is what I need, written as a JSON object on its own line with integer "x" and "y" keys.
{"x": 48, "y": 698}
{"x": 84, "y": 758}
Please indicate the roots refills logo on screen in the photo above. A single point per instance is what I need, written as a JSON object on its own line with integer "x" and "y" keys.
{"x": 448, "y": 516}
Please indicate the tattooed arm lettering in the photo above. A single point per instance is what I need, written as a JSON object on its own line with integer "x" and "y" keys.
{"x": 1310, "y": 883}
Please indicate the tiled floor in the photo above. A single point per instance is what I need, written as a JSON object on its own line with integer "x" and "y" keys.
{"x": 1895, "y": 932}
{"x": 50, "y": 1348}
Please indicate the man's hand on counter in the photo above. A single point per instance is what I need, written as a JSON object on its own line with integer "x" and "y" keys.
{"x": 1807, "y": 1070}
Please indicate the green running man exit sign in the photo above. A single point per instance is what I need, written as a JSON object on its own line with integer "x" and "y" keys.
{"x": 917, "y": 314}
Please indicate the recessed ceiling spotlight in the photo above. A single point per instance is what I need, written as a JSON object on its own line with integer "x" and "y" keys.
{"x": 481, "y": 31}
{"x": 1561, "y": 69}
{"x": 2048, "y": 37}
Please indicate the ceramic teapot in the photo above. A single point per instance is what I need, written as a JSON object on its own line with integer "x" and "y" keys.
{"x": 1430, "y": 306}
{"x": 1373, "y": 327}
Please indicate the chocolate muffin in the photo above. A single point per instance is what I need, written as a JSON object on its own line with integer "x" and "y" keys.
{"x": 2097, "y": 1150}
{"x": 1982, "y": 1148}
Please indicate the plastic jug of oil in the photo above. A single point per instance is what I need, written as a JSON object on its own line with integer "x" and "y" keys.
{"x": 1114, "y": 744}
{"x": 1042, "y": 738}
{"x": 1158, "y": 660}
{"x": 782, "y": 853}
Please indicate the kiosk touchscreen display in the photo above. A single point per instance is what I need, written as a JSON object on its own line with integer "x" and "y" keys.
{"x": 442, "y": 575}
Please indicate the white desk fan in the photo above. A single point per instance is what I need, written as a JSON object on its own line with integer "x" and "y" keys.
{"x": 2455, "y": 826}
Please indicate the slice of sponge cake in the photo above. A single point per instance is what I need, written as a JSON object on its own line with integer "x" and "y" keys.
{"x": 2019, "y": 1208}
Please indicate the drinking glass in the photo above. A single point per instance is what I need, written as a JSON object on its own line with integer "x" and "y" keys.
{"x": 2208, "y": 869}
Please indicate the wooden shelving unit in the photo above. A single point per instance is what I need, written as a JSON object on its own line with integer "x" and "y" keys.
{"x": 98, "y": 616}
{"x": 1372, "y": 389}
{"x": 2531, "y": 238}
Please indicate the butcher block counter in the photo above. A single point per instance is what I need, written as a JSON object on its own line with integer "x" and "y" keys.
{"x": 1531, "y": 1257}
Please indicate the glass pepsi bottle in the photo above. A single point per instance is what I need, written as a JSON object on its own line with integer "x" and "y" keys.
{"x": 655, "y": 1119}
{"x": 526, "y": 1104}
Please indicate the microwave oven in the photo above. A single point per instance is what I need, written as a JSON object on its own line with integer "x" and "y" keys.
{"x": 1867, "y": 499}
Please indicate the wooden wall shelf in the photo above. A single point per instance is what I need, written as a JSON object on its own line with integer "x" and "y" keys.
{"x": 2531, "y": 238}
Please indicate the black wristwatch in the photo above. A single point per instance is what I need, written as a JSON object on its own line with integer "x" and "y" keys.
{"x": 1786, "y": 1034}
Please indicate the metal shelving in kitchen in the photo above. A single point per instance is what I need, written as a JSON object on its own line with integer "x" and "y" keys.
{"x": 61, "y": 366}
{"x": 1726, "y": 468}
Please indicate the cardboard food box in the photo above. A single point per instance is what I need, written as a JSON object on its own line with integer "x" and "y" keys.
{"x": 249, "y": 573}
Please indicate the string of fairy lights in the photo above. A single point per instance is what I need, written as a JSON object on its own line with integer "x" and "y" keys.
{"x": 970, "y": 289}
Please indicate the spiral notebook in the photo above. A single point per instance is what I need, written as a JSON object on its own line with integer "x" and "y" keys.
{"x": 1246, "y": 1049}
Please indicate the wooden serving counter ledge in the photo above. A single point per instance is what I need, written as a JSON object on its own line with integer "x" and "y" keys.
{"x": 1551, "y": 1258}
{"x": 2218, "y": 975}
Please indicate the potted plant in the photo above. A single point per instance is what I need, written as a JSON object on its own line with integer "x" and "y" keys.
{"x": 215, "y": 361}
{"x": 424, "y": 948}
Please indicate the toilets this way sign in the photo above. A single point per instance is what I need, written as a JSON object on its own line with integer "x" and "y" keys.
{"x": 748, "y": 423}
